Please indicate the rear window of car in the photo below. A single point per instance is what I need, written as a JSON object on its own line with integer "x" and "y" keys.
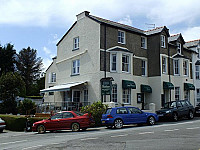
{"x": 79, "y": 113}
{"x": 108, "y": 111}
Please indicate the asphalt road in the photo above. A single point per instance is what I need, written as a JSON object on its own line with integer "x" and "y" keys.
{"x": 183, "y": 135}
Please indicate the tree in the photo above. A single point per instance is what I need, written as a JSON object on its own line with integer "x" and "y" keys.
{"x": 29, "y": 66}
{"x": 7, "y": 58}
{"x": 11, "y": 85}
{"x": 26, "y": 107}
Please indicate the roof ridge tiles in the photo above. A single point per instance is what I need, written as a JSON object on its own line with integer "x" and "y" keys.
{"x": 193, "y": 40}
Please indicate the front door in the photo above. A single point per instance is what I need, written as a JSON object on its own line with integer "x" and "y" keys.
{"x": 76, "y": 99}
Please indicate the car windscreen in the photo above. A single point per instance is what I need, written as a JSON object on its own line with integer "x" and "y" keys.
{"x": 170, "y": 105}
{"x": 108, "y": 111}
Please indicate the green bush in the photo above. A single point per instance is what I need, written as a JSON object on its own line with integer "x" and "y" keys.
{"x": 18, "y": 123}
{"x": 96, "y": 110}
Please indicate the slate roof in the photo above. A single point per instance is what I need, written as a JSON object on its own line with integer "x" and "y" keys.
{"x": 154, "y": 31}
{"x": 173, "y": 37}
{"x": 116, "y": 24}
{"x": 192, "y": 43}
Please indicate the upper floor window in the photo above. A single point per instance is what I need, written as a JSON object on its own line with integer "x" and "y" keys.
{"x": 75, "y": 67}
{"x": 163, "y": 41}
{"x": 113, "y": 63}
{"x": 185, "y": 67}
{"x": 76, "y": 43}
{"x": 179, "y": 48}
{"x": 144, "y": 42}
{"x": 164, "y": 65}
{"x": 144, "y": 68}
{"x": 121, "y": 37}
{"x": 197, "y": 72}
{"x": 125, "y": 63}
{"x": 52, "y": 77}
{"x": 176, "y": 67}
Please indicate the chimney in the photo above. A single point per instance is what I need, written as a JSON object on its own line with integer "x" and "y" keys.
{"x": 82, "y": 15}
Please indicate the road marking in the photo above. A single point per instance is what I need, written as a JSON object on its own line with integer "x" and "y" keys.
{"x": 171, "y": 130}
{"x": 89, "y": 139}
{"x": 32, "y": 147}
{"x": 146, "y": 133}
{"x": 13, "y": 142}
{"x": 119, "y": 135}
{"x": 193, "y": 128}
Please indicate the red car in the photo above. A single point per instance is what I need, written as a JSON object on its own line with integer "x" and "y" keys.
{"x": 64, "y": 120}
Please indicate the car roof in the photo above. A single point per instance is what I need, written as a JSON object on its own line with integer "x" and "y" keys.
{"x": 123, "y": 107}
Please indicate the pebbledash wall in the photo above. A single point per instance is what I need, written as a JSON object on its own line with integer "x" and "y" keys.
{"x": 91, "y": 55}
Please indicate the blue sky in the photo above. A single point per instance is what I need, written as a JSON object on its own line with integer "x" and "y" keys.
{"x": 41, "y": 23}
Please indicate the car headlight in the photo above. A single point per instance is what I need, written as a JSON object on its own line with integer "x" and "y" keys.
{"x": 168, "y": 111}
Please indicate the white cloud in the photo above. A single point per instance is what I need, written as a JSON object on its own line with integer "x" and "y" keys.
{"x": 46, "y": 62}
{"x": 46, "y": 50}
{"x": 127, "y": 20}
{"x": 191, "y": 33}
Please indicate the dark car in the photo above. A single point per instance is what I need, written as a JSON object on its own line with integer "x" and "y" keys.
{"x": 197, "y": 110}
{"x": 64, "y": 120}
{"x": 176, "y": 109}
{"x": 2, "y": 125}
{"x": 120, "y": 116}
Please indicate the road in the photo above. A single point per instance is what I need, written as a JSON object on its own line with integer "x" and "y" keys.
{"x": 183, "y": 135}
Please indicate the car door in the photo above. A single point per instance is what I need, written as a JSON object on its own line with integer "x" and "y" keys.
{"x": 185, "y": 108}
{"x": 54, "y": 122}
{"x": 123, "y": 114}
{"x": 136, "y": 115}
{"x": 65, "y": 122}
{"x": 180, "y": 109}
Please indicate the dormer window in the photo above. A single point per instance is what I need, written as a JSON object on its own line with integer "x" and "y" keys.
{"x": 163, "y": 41}
{"x": 179, "y": 48}
{"x": 121, "y": 37}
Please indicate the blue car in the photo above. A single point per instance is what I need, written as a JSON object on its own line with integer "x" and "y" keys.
{"x": 120, "y": 116}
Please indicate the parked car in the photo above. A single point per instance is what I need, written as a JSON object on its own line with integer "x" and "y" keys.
{"x": 120, "y": 116}
{"x": 64, "y": 120}
{"x": 2, "y": 125}
{"x": 197, "y": 110}
{"x": 176, "y": 109}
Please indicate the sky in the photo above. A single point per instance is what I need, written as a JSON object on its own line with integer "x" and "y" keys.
{"x": 40, "y": 24}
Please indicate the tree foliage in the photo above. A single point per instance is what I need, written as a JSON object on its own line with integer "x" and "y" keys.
{"x": 11, "y": 85}
{"x": 29, "y": 66}
{"x": 7, "y": 58}
{"x": 26, "y": 107}
{"x": 96, "y": 110}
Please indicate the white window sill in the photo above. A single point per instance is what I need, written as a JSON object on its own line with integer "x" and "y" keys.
{"x": 121, "y": 43}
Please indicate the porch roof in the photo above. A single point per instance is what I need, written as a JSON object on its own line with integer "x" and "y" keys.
{"x": 62, "y": 87}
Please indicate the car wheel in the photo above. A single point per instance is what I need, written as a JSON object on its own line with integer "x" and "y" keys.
{"x": 118, "y": 124}
{"x": 190, "y": 115}
{"x": 1, "y": 130}
{"x": 175, "y": 116}
{"x": 75, "y": 127}
{"x": 151, "y": 120}
{"x": 41, "y": 129}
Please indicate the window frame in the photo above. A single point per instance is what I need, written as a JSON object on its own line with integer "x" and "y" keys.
{"x": 112, "y": 62}
{"x": 143, "y": 42}
{"x": 121, "y": 38}
{"x": 75, "y": 43}
{"x": 114, "y": 93}
{"x": 144, "y": 68}
{"x": 177, "y": 93}
{"x": 176, "y": 67}
{"x": 76, "y": 68}
{"x": 164, "y": 65}
{"x": 53, "y": 77}
{"x": 179, "y": 46}
{"x": 124, "y": 64}
{"x": 163, "y": 42}
{"x": 197, "y": 72}
{"x": 85, "y": 95}
{"x": 198, "y": 95}
{"x": 126, "y": 96}
{"x": 185, "y": 68}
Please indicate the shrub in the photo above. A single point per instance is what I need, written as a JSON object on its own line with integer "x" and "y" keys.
{"x": 96, "y": 110}
{"x": 18, "y": 123}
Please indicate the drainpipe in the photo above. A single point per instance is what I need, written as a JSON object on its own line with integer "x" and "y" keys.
{"x": 169, "y": 68}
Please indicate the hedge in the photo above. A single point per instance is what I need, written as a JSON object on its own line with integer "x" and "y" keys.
{"x": 18, "y": 123}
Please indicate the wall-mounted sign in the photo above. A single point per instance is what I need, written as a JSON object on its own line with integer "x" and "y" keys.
{"x": 106, "y": 87}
